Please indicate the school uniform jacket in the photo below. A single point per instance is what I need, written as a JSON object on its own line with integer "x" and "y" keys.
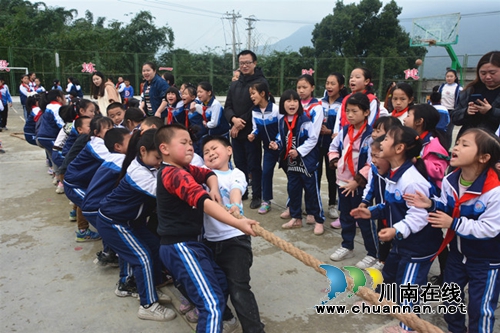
{"x": 213, "y": 114}
{"x": 81, "y": 170}
{"x": 307, "y": 140}
{"x": 265, "y": 125}
{"x": 50, "y": 122}
{"x": 420, "y": 239}
{"x": 375, "y": 187}
{"x": 134, "y": 198}
{"x": 329, "y": 116}
{"x": 477, "y": 227}
{"x": 104, "y": 181}
{"x": 73, "y": 135}
{"x": 364, "y": 158}
{"x": 314, "y": 111}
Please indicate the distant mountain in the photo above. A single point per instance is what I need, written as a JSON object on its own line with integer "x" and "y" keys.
{"x": 476, "y": 37}
{"x": 301, "y": 37}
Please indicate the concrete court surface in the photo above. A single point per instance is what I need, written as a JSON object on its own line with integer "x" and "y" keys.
{"x": 48, "y": 282}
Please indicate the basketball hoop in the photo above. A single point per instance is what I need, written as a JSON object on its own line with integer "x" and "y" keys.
{"x": 431, "y": 42}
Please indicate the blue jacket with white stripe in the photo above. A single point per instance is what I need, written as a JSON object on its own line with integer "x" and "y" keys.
{"x": 265, "y": 124}
{"x": 103, "y": 182}
{"x": 81, "y": 170}
{"x": 478, "y": 226}
{"x": 420, "y": 239}
{"x": 134, "y": 198}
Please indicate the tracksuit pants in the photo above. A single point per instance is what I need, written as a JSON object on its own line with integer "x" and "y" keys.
{"x": 140, "y": 248}
{"x": 484, "y": 287}
{"x": 298, "y": 182}
{"x": 348, "y": 223}
{"x": 192, "y": 265}
{"x": 401, "y": 268}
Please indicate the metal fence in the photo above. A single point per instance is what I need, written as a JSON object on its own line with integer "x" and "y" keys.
{"x": 281, "y": 72}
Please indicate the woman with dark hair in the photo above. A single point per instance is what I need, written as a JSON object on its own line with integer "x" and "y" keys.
{"x": 479, "y": 103}
{"x": 104, "y": 92}
{"x": 155, "y": 88}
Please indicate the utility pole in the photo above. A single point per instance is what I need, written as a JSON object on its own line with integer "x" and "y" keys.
{"x": 250, "y": 21}
{"x": 233, "y": 17}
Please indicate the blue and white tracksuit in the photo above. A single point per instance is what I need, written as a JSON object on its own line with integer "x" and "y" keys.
{"x": 305, "y": 140}
{"x": 329, "y": 116}
{"x": 213, "y": 115}
{"x": 81, "y": 170}
{"x": 349, "y": 202}
{"x": 374, "y": 193}
{"x": 121, "y": 222}
{"x": 265, "y": 128}
{"x": 474, "y": 256}
{"x": 410, "y": 258}
{"x": 49, "y": 127}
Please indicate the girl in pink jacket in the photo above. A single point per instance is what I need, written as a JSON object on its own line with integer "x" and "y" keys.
{"x": 423, "y": 118}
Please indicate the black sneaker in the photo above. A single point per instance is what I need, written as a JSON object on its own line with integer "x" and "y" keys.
{"x": 255, "y": 203}
{"x": 105, "y": 259}
{"x": 127, "y": 288}
{"x": 245, "y": 196}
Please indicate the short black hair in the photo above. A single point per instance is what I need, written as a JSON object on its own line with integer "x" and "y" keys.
{"x": 113, "y": 136}
{"x": 153, "y": 121}
{"x": 219, "y": 138}
{"x": 166, "y": 132}
{"x": 79, "y": 121}
{"x": 246, "y": 52}
{"x": 115, "y": 105}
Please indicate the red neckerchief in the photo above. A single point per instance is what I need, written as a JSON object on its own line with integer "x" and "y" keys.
{"x": 308, "y": 109}
{"x": 55, "y": 102}
{"x": 343, "y": 117}
{"x": 28, "y": 88}
{"x": 38, "y": 115}
{"x": 1, "y": 87}
{"x": 397, "y": 114}
{"x": 490, "y": 183}
{"x": 203, "y": 114}
{"x": 352, "y": 139}
{"x": 186, "y": 112}
{"x": 169, "y": 115}
{"x": 423, "y": 135}
{"x": 290, "y": 133}
{"x": 392, "y": 172}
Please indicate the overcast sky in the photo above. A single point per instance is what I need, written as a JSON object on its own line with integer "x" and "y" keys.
{"x": 200, "y": 24}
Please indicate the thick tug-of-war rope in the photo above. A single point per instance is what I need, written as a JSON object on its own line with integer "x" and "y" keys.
{"x": 409, "y": 319}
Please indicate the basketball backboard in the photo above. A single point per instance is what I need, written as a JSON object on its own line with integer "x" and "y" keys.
{"x": 437, "y": 30}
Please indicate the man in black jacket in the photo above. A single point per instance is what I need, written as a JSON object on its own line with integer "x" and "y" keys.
{"x": 238, "y": 112}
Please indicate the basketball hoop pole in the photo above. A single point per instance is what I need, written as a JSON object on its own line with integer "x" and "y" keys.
{"x": 455, "y": 62}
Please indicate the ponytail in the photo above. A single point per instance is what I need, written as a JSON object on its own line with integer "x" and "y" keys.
{"x": 412, "y": 143}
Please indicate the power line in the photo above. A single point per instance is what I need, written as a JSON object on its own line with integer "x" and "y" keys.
{"x": 163, "y": 8}
{"x": 166, "y": 3}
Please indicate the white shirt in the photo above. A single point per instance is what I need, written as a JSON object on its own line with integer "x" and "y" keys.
{"x": 216, "y": 231}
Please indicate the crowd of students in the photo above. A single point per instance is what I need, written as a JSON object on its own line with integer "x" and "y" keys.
{"x": 158, "y": 185}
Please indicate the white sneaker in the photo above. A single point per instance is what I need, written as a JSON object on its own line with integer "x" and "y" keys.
{"x": 379, "y": 265}
{"x": 60, "y": 188}
{"x": 156, "y": 312}
{"x": 341, "y": 254}
{"x": 286, "y": 214}
{"x": 55, "y": 180}
{"x": 162, "y": 297}
{"x": 332, "y": 212}
{"x": 366, "y": 262}
{"x": 230, "y": 326}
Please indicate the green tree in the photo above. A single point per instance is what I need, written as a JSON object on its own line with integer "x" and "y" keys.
{"x": 365, "y": 33}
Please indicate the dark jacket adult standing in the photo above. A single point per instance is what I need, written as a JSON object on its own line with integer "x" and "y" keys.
{"x": 238, "y": 112}
{"x": 238, "y": 102}
{"x": 153, "y": 95}
{"x": 482, "y": 110}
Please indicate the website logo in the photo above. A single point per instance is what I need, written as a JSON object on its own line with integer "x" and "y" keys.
{"x": 338, "y": 281}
